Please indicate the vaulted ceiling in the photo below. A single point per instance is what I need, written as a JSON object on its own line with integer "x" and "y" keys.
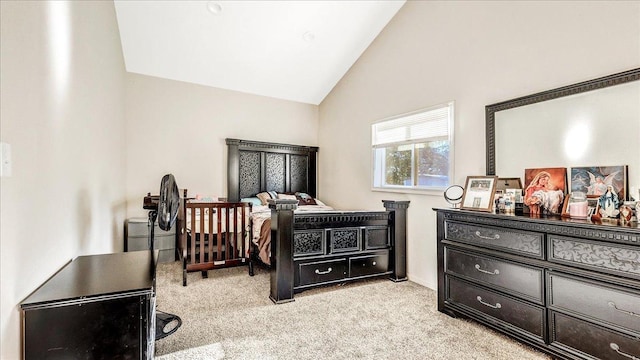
{"x": 292, "y": 50}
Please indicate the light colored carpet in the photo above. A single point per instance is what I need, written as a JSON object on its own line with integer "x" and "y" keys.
{"x": 229, "y": 316}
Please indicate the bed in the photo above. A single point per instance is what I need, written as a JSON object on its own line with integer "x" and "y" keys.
{"x": 311, "y": 247}
{"x": 212, "y": 235}
{"x": 260, "y": 249}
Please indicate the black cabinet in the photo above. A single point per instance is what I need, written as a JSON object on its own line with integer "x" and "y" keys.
{"x": 568, "y": 287}
{"x": 95, "y": 307}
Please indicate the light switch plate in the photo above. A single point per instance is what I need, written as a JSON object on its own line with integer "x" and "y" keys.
{"x": 5, "y": 160}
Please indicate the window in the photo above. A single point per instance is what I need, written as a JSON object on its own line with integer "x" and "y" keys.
{"x": 414, "y": 151}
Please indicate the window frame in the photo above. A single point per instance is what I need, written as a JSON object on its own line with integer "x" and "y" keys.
{"x": 414, "y": 168}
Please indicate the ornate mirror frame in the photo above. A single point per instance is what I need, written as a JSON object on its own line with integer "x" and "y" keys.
{"x": 490, "y": 110}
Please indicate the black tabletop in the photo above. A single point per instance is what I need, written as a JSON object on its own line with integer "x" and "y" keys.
{"x": 98, "y": 275}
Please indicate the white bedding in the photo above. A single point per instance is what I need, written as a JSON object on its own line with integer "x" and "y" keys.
{"x": 260, "y": 213}
{"x": 223, "y": 220}
{"x": 233, "y": 237}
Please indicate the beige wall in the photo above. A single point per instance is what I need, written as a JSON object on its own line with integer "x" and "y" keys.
{"x": 89, "y": 140}
{"x": 180, "y": 128}
{"x": 62, "y": 111}
{"x": 475, "y": 53}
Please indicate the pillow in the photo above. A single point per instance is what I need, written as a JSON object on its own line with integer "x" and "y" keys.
{"x": 287, "y": 197}
{"x": 305, "y": 199}
{"x": 266, "y": 195}
{"x": 255, "y": 201}
{"x": 263, "y": 196}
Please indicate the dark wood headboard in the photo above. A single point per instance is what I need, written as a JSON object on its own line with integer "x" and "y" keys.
{"x": 254, "y": 167}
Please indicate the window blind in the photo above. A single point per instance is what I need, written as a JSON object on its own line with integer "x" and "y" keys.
{"x": 428, "y": 125}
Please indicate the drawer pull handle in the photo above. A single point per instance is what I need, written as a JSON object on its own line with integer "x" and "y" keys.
{"x": 374, "y": 263}
{"x": 496, "y": 306}
{"x": 492, "y": 237}
{"x": 616, "y": 348}
{"x": 494, "y": 272}
{"x": 613, "y": 305}
{"x": 323, "y": 272}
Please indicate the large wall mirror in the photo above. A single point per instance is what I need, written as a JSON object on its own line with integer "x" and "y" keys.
{"x": 592, "y": 123}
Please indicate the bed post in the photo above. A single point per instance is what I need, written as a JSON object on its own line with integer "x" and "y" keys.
{"x": 398, "y": 211}
{"x": 233, "y": 170}
{"x": 282, "y": 250}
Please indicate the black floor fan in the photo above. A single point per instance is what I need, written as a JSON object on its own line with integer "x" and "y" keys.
{"x": 166, "y": 213}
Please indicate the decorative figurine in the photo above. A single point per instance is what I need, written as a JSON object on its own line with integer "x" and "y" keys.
{"x": 626, "y": 214}
{"x": 609, "y": 203}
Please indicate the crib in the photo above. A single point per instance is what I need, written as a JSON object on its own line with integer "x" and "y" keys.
{"x": 212, "y": 235}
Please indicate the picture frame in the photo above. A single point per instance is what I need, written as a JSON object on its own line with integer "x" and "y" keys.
{"x": 593, "y": 180}
{"x": 479, "y": 192}
{"x": 508, "y": 183}
{"x": 545, "y": 190}
{"x": 592, "y": 205}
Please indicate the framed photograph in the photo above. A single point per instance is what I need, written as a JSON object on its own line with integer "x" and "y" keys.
{"x": 508, "y": 183}
{"x": 479, "y": 193}
{"x": 592, "y": 206}
{"x": 594, "y": 180}
{"x": 544, "y": 191}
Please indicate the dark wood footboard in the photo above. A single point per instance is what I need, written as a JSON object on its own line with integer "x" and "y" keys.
{"x": 315, "y": 249}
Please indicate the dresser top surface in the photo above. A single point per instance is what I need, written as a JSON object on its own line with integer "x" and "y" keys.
{"x": 98, "y": 275}
{"x": 605, "y": 225}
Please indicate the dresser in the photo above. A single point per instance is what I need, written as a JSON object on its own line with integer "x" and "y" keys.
{"x": 570, "y": 288}
{"x": 95, "y": 307}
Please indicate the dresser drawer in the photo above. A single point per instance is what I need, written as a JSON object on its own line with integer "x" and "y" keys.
{"x": 608, "y": 257}
{"x": 322, "y": 271}
{"x": 524, "y": 318}
{"x": 518, "y": 280}
{"x": 139, "y": 227}
{"x": 369, "y": 265}
{"x": 609, "y": 304}
{"x": 504, "y": 239}
{"x": 160, "y": 242}
{"x": 591, "y": 341}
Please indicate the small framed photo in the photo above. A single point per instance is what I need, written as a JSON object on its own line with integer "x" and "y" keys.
{"x": 508, "y": 183}
{"x": 592, "y": 205}
{"x": 479, "y": 192}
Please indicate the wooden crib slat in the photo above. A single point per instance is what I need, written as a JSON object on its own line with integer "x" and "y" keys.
{"x": 235, "y": 234}
{"x": 219, "y": 235}
{"x": 210, "y": 236}
{"x": 203, "y": 237}
{"x": 240, "y": 241}
{"x": 194, "y": 236}
{"x": 243, "y": 251}
{"x": 227, "y": 237}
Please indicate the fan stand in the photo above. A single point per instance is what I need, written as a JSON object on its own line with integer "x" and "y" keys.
{"x": 166, "y": 324}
